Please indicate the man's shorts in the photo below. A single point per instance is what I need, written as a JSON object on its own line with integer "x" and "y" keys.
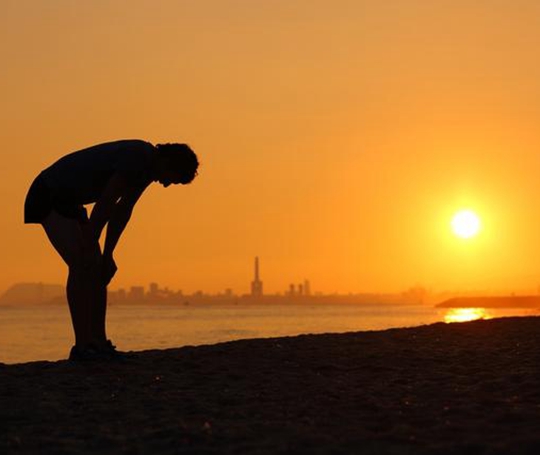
{"x": 40, "y": 200}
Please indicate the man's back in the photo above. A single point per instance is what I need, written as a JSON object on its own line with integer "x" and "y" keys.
{"x": 81, "y": 176}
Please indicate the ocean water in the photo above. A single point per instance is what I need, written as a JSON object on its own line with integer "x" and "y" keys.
{"x": 29, "y": 333}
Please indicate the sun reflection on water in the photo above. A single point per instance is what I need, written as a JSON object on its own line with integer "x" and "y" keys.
{"x": 466, "y": 314}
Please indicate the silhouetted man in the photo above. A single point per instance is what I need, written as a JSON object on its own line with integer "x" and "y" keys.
{"x": 113, "y": 175}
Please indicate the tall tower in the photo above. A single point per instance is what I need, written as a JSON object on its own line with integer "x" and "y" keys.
{"x": 256, "y": 284}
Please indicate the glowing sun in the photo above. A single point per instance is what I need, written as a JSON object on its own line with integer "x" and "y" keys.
{"x": 465, "y": 224}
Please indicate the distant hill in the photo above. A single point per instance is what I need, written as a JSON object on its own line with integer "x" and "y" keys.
{"x": 32, "y": 293}
{"x": 511, "y": 301}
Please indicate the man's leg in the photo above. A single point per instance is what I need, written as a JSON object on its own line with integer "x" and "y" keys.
{"x": 66, "y": 237}
{"x": 99, "y": 308}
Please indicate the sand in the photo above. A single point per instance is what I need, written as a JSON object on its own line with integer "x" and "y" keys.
{"x": 470, "y": 388}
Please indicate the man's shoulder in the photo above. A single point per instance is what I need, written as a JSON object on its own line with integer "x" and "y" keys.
{"x": 122, "y": 144}
{"x": 133, "y": 143}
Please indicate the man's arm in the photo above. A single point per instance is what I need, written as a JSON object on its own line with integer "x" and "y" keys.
{"x": 119, "y": 219}
{"x": 115, "y": 226}
{"x": 105, "y": 206}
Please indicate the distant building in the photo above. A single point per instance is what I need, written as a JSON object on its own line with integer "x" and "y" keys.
{"x": 307, "y": 288}
{"x": 136, "y": 293}
{"x": 292, "y": 290}
{"x": 256, "y": 284}
{"x": 154, "y": 289}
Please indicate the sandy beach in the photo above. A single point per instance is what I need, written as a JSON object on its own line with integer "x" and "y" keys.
{"x": 469, "y": 388}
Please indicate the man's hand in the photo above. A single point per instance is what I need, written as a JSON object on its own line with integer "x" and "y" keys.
{"x": 109, "y": 268}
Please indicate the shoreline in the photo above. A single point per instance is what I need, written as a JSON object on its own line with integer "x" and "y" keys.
{"x": 471, "y": 387}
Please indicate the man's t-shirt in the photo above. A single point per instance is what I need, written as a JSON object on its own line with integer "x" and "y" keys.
{"x": 80, "y": 177}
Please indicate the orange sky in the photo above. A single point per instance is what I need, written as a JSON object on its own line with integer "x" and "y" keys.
{"x": 336, "y": 137}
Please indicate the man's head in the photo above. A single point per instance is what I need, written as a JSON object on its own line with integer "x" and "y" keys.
{"x": 176, "y": 163}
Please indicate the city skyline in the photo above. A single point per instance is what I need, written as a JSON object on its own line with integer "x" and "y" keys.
{"x": 153, "y": 292}
{"x": 255, "y": 288}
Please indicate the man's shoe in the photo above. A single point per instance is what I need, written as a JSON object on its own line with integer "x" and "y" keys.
{"x": 110, "y": 352}
{"x": 93, "y": 353}
{"x": 88, "y": 353}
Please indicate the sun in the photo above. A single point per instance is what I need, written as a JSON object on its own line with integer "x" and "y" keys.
{"x": 465, "y": 224}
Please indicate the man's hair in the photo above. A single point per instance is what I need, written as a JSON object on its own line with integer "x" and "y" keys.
{"x": 181, "y": 158}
